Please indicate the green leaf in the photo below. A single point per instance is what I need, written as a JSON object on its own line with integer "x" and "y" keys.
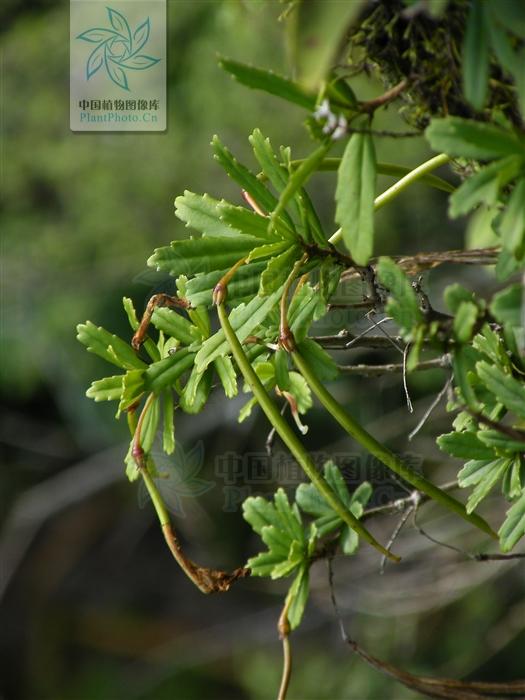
{"x": 278, "y": 270}
{"x": 403, "y": 304}
{"x": 355, "y": 194}
{"x": 175, "y": 325}
{"x": 298, "y": 597}
{"x": 512, "y": 226}
{"x": 484, "y": 186}
{"x": 508, "y": 390}
{"x": 485, "y": 485}
{"x": 225, "y": 370}
{"x": 282, "y": 372}
{"x": 461, "y": 365}
{"x": 465, "y": 321}
{"x": 244, "y": 320}
{"x": 470, "y": 139}
{"x": 133, "y": 386}
{"x": 298, "y": 178}
{"x": 164, "y": 374}
{"x": 465, "y": 445}
{"x": 300, "y": 390}
{"x": 245, "y": 283}
{"x": 247, "y": 221}
{"x": 514, "y": 479}
{"x": 193, "y": 255}
{"x": 474, "y": 471}
{"x": 168, "y": 425}
{"x": 475, "y": 62}
{"x": 306, "y": 307}
{"x": 201, "y": 212}
{"x": 500, "y": 442}
{"x": 197, "y": 390}
{"x": 269, "y": 250}
{"x": 247, "y": 180}
{"x": 491, "y": 344}
{"x": 511, "y": 14}
{"x": 107, "y": 389}
{"x": 270, "y": 82}
{"x": 513, "y": 528}
{"x": 149, "y": 425}
{"x": 108, "y": 346}
{"x": 455, "y": 294}
{"x": 507, "y": 306}
{"x": 319, "y": 360}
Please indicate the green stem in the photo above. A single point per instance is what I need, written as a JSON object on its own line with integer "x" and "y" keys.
{"x": 289, "y": 437}
{"x": 332, "y": 164}
{"x": 392, "y": 192}
{"x": 382, "y": 453}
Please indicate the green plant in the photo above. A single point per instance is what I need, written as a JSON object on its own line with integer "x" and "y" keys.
{"x": 271, "y": 270}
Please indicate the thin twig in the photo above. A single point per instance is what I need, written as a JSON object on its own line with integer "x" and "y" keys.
{"x": 393, "y": 367}
{"x": 433, "y": 405}
{"x": 405, "y": 385}
{"x": 283, "y": 627}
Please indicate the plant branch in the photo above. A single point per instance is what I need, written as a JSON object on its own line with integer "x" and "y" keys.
{"x": 382, "y": 453}
{"x": 388, "y": 96}
{"x": 392, "y": 192}
{"x": 283, "y": 627}
{"x": 377, "y": 370}
{"x": 289, "y": 438}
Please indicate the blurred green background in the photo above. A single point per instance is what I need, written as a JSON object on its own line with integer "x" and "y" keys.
{"x": 92, "y": 605}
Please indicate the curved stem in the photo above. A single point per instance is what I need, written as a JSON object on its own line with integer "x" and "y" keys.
{"x": 392, "y": 192}
{"x": 290, "y": 439}
{"x": 283, "y": 627}
{"x": 383, "y": 454}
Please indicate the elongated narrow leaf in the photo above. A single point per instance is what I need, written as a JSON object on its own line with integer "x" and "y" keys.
{"x": 356, "y": 179}
{"x": 149, "y": 425}
{"x": 513, "y": 528}
{"x": 402, "y": 305}
{"x": 244, "y": 320}
{"x": 245, "y": 283}
{"x": 465, "y": 320}
{"x": 508, "y": 306}
{"x": 299, "y": 177}
{"x": 243, "y": 177}
{"x": 462, "y": 365}
{"x": 270, "y": 82}
{"x": 107, "y": 389}
{"x": 512, "y": 227}
{"x": 278, "y": 270}
{"x": 226, "y": 371}
{"x": 465, "y": 445}
{"x": 508, "y": 390}
{"x": 108, "y": 346}
{"x": 484, "y": 186}
{"x": 485, "y": 485}
{"x": 164, "y": 374}
{"x": 175, "y": 325}
{"x": 195, "y": 394}
{"x": 190, "y": 256}
{"x": 168, "y": 424}
{"x": 471, "y": 139}
{"x": 475, "y": 62}
{"x": 247, "y": 221}
{"x": 200, "y": 212}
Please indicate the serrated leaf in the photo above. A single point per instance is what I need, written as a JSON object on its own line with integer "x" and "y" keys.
{"x": 471, "y": 139}
{"x": 455, "y": 294}
{"x": 108, "y": 346}
{"x": 191, "y": 256}
{"x": 196, "y": 392}
{"x": 299, "y": 389}
{"x": 245, "y": 283}
{"x": 149, "y": 425}
{"x": 508, "y": 390}
{"x": 225, "y": 370}
{"x": 278, "y": 270}
{"x": 500, "y": 442}
{"x": 485, "y": 485}
{"x": 298, "y": 178}
{"x": 175, "y": 325}
{"x": 465, "y": 321}
{"x": 107, "y": 389}
{"x": 247, "y": 221}
{"x": 484, "y": 186}
{"x": 461, "y": 365}
{"x": 270, "y": 82}
{"x": 201, "y": 212}
{"x": 298, "y": 597}
{"x": 270, "y": 250}
{"x": 507, "y": 306}
{"x": 402, "y": 304}
{"x": 465, "y": 445}
{"x": 244, "y": 319}
{"x": 513, "y": 528}
{"x": 355, "y": 194}
{"x": 474, "y": 471}
{"x": 133, "y": 387}
{"x": 512, "y": 226}
{"x": 163, "y": 374}
{"x": 306, "y": 307}
{"x": 475, "y": 62}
